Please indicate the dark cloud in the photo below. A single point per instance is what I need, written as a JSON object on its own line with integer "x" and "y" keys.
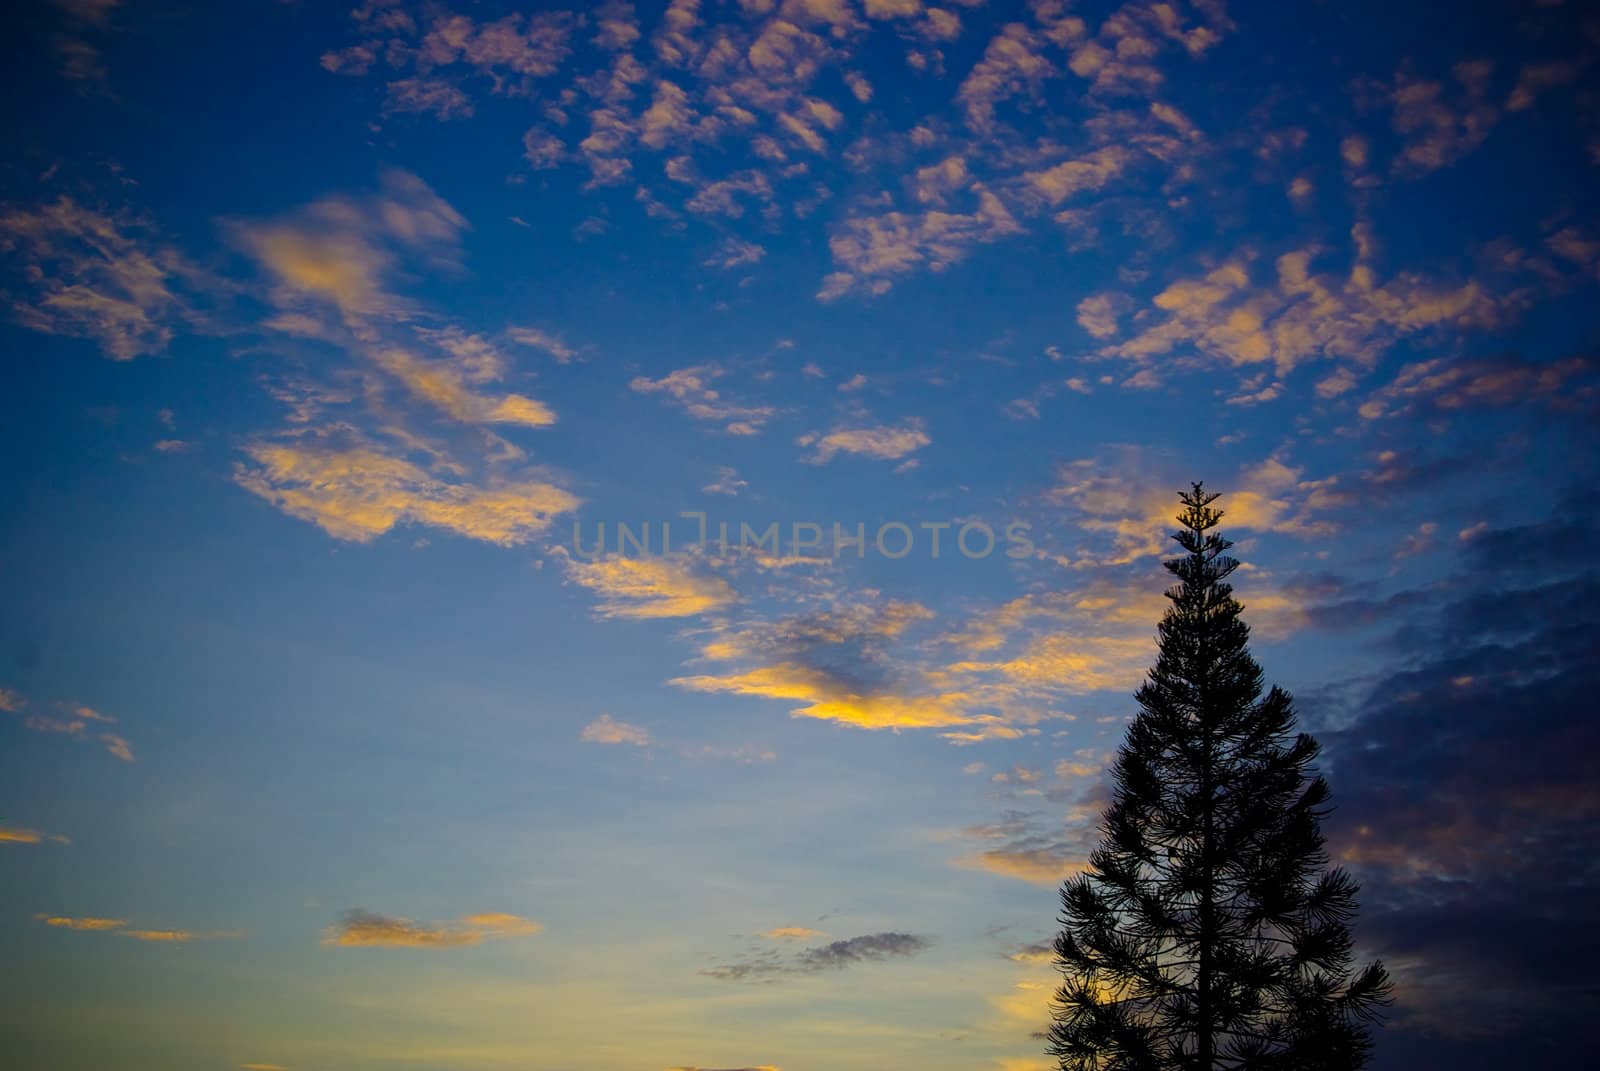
{"x": 865, "y": 949}
{"x": 1468, "y": 783}
{"x": 1563, "y": 541}
{"x": 1358, "y": 613}
{"x": 769, "y": 964}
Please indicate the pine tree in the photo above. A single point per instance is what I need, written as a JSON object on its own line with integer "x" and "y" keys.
{"x": 1208, "y": 931}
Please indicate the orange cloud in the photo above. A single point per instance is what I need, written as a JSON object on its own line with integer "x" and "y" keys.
{"x": 643, "y": 588}
{"x": 358, "y": 493}
{"x": 501, "y": 924}
{"x": 1306, "y": 316}
{"x": 159, "y": 936}
{"x": 14, "y": 835}
{"x": 340, "y": 249}
{"x": 119, "y": 927}
{"x": 445, "y": 387}
{"x": 826, "y": 697}
{"x": 1039, "y": 866}
{"x": 364, "y": 929}
{"x": 92, "y": 924}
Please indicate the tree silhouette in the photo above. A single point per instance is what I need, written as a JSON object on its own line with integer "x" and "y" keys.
{"x": 1208, "y": 932}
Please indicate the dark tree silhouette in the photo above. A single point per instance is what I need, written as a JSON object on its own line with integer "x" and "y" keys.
{"x": 1208, "y": 931}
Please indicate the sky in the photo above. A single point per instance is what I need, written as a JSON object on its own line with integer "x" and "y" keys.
{"x": 622, "y": 537}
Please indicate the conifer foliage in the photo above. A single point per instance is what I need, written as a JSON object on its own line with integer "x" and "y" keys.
{"x": 1209, "y": 932}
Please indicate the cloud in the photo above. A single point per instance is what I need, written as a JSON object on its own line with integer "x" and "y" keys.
{"x": 691, "y": 390}
{"x": 1118, "y": 495}
{"x": 1013, "y": 64}
{"x": 67, "y": 922}
{"x": 17, "y": 835}
{"x": 869, "y": 948}
{"x": 1475, "y": 845}
{"x": 987, "y": 727}
{"x": 746, "y": 754}
{"x": 542, "y": 340}
{"x": 838, "y": 665}
{"x": 771, "y": 964}
{"x": 401, "y": 433}
{"x": 1042, "y": 952}
{"x": 1027, "y": 849}
{"x": 871, "y": 250}
{"x": 364, "y": 929}
{"x": 1070, "y": 663}
{"x": 1071, "y": 177}
{"x": 357, "y": 492}
{"x": 1440, "y": 125}
{"x": 1041, "y": 866}
{"x": 793, "y": 933}
{"x": 427, "y": 96}
{"x": 886, "y": 442}
{"x": 643, "y": 588}
{"x": 501, "y": 924}
{"x": 444, "y": 385}
{"x": 342, "y": 250}
{"x": 1098, "y": 313}
{"x": 735, "y": 253}
{"x": 728, "y": 114}
{"x": 726, "y": 483}
{"x": 607, "y": 730}
{"x": 92, "y": 12}
{"x": 120, "y": 928}
{"x": 67, "y": 719}
{"x": 99, "y": 276}
{"x": 159, "y": 936}
{"x": 823, "y": 695}
{"x": 118, "y": 746}
{"x": 1535, "y": 79}
{"x": 1306, "y": 316}
{"x": 1442, "y": 385}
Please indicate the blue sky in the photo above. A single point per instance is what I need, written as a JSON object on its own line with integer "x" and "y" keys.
{"x": 336, "y": 340}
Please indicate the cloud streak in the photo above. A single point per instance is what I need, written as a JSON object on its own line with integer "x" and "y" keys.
{"x": 365, "y": 929}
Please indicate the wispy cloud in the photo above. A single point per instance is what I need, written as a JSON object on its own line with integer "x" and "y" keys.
{"x": 101, "y": 275}
{"x": 691, "y": 389}
{"x": 445, "y": 384}
{"x": 793, "y": 933}
{"x": 885, "y": 442}
{"x": 121, "y": 928}
{"x": 726, "y": 483}
{"x": 364, "y": 929}
{"x": 19, "y": 835}
{"x": 343, "y": 250}
{"x": 648, "y": 587}
{"x": 536, "y": 338}
{"x": 68, "y": 719}
{"x": 771, "y": 964}
{"x": 355, "y": 491}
